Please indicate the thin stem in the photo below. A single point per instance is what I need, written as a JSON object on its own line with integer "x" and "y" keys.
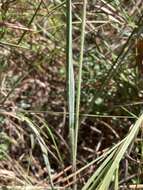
{"x": 79, "y": 83}
{"x": 30, "y": 22}
{"x": 70, "y": 76}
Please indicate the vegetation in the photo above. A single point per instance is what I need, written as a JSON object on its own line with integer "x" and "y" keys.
{"x": 71, "y": 94}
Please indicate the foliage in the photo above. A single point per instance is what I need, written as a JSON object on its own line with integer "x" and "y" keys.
{"x": 71, "y": 93}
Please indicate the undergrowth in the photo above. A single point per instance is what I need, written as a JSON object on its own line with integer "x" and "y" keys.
{"x": 71, "y": 94}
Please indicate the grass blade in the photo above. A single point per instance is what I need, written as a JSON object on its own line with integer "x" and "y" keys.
{"x": 70, "y": 75}
{"x": 41, "y": 143}
{"x": 30, "y": 22}
{"x": 116, "y": 179}
{"x": 79, "y": 83}
{"x": 115, "y": 159}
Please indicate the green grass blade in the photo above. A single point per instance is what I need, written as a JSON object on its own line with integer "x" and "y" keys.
{"x": 41, "y": 143}
{"x": 50, "y": 133}
{"x": 113, "y": 159}
{"x": 2, "y": 43}
{"x": 120, "y": 153}
{"x": 70, "y": 75}
{"x": 80, "y": 76}
{"x": 116, "y": 187}
{"x": 79, "y": 83}
{"x": 98, "y": 174}
{"x": 30, "y": 22}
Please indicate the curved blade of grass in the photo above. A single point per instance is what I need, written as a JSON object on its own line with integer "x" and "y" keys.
{"x": 70, "y": 75}
{"x": 59, "y": 159}
{"x": 99, "y": 159}
{"x": 41, "y": 143}
{"x": 101, "y": 175}
{"x": 52, "y": 137}
{"x": 98, "y": 174}
{"x": 118, "y": 155}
